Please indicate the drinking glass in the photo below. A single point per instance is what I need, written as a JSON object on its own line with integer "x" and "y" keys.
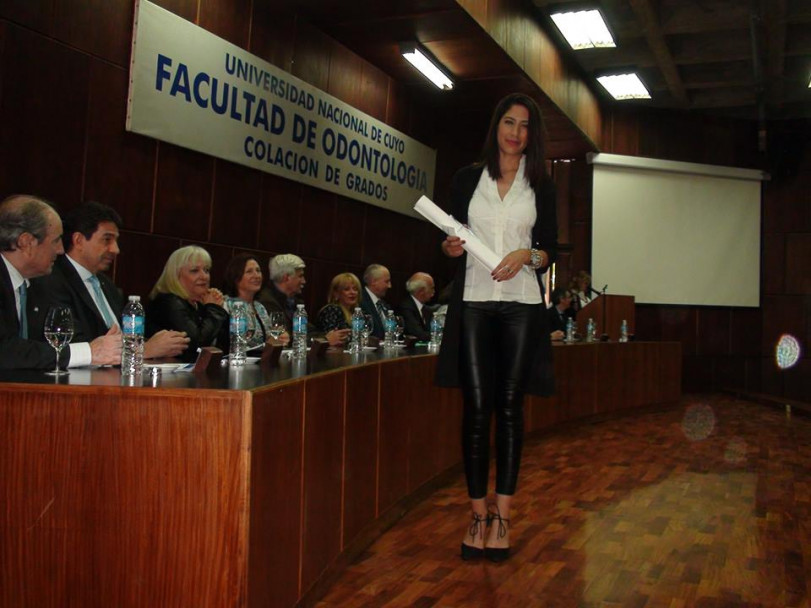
{"x": 277, "y": 326}
{"x": 368, "y": 325}
{"x": 58, "y": 333}
{"x": 398, "y": 330}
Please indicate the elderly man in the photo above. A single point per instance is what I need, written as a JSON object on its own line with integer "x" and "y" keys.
{"x": 377, "y": 281}
{"x": 30, "y": 241}
{"x": 414, "y": 309}
{"x": 90, "y": 240}
{"x": 287, "y": 280}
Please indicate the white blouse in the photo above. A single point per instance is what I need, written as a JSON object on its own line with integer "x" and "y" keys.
{"x": 503, "y": 225}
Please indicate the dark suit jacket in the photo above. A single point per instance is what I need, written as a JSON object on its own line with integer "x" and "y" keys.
{"x": 413, "y": 321}
{"x": 64, "y": 286}
{"x": 368, "y": 308}
{"x": 275, "y": 301}
{"x": 202, "y": 323}
{"x": 15, "y": 352}
{"x": 558, "y": 320}
{"x": 545, "y": 237}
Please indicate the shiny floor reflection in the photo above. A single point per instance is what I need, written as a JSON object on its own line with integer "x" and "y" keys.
{"x": 705, "y": 504}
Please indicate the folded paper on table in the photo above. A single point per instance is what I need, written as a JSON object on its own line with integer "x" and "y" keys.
{"x": 473, "y": 245}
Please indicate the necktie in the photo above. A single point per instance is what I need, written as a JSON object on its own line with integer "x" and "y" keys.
{"x": 426, "y": 316}
{"x": 101, "y": 302}
{"x": 23, "y": 289}
{"x": 382, "y": 310}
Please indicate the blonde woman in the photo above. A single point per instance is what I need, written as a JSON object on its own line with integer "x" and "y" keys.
{"x": 182, "y": 299}
{"x": 342, "y": 298}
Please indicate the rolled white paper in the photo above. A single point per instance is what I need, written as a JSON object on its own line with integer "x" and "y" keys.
{"x": 473, "y": 245}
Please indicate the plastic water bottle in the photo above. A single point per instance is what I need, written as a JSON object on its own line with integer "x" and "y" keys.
{"x": 390, "y": 329}
{"x": 132, "y": 336}
{"x": 569, "y": 330}
{"x": 590, "y": 331}
{"x": 239, "y": 328}
{"x": 358, "y": 323}
{"x": 300, "y": 332}
{"x": 624, "y": 331}
{"x": 435, "y": 328}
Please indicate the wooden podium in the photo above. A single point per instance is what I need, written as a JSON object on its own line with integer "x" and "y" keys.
{"x": 608, "y": 311}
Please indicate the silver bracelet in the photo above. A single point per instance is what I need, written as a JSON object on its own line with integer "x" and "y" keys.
{"x": 535, "y": 258}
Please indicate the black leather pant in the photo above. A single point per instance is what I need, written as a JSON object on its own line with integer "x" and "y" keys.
{"x": 498, "y": 341}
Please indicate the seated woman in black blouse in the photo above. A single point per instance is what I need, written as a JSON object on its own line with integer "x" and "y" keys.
{"x": 343, "y": 297}
{"x": 183, "y": 300}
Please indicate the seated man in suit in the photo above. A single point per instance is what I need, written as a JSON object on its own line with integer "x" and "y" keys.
{"x": 287, "y": 281}
{"x": 377, "y": 281}
{"x": 560, "y": 313}
{"x": 30, "y": 242}
{"x": 414, "y": 309}
{"x": 90, "y": 240}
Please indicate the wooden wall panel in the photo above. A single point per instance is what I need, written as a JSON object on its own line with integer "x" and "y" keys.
{"x": 120, "y": 166}
{"x": 273, "y": 35}
{"x": 102, "y": 28}
{"x": 319, "y": 209}
{"x": 348, "y": 231}
{"x": 713, "y": 331}
{"x": 236, "y": 205}
{"x": 230, "y": 20}
{"x": 313, "y": 53}
{"x": 280, "y": 218}
{"x": 373, "y": 92}
{"x": 773, "y": 267}
{"x": 360, "y": 457}
{"x": 37, "y": 15}
{"x": 798, "y": 254}
{"x": 183, "y": 193}
{"x": 392, "y": 481}
{"x": 141, "y": 261}
{"x": 43, "y": 133}
{"x": 112, "y": 507}
{"x": 188, "y": 9}
{"x": 323, "y": 468}
{"x": 276, "y": 481}
{"x": 345, "y": 75}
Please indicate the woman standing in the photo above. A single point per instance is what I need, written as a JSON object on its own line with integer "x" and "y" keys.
{"x": 496, "y": 342}
{"x": 182, "y": 299}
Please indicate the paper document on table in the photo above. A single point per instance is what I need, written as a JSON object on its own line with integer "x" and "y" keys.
{"x": 473, "y": 245}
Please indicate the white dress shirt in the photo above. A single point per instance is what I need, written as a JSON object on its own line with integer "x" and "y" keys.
{"x": 85, "y": 275}
{"x": 80, "y": 354}
{"x": 504, "y": 226}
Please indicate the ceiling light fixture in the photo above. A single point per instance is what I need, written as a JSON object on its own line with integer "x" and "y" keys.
{"x": 426, "y": 64}
{"x": 584, "y": 29}
{"x": 624, "y": 86}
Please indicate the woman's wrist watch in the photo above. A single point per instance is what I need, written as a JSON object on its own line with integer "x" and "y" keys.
{"x": 535, "y": 258}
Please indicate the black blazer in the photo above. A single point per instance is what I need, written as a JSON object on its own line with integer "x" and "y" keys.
{"x": 202, "y": 323}
{"x": 413, "y": 322}
{"x": 368, "y": 307}
{"x": 65, "y": 286}
{"x": 558, "y": 320}
{"x": 545, "y": 237}
{"x": 16, "y": 352}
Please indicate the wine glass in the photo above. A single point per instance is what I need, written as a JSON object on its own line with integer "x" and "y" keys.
{"x": 398, "y": 330}
{"x": 58, "y": 333}
{"x": 368, "y": 325}
{"x": 277, "y": 326}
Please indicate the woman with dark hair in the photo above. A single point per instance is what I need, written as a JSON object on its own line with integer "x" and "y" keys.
{"x": 496, "y": 340}
{"x": 241, "y": 282}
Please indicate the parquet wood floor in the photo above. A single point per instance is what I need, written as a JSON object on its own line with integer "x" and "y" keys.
{"x": 704, "y": 504}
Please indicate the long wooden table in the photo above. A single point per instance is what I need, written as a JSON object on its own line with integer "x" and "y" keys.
{"x": 247, "y": 487}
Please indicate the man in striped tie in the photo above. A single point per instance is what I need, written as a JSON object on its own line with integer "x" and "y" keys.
{"x": 78, "y": 280}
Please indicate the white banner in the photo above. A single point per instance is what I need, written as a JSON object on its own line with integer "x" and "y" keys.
{"x": 191, "y": 88}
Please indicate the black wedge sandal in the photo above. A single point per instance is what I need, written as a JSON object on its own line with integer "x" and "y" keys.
{"x": 477, "y": 527}
{"x": 492, "y": 553}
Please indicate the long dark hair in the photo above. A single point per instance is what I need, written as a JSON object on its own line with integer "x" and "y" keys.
{"x": 535, "y": 166}
{"x": 234, "y": 271}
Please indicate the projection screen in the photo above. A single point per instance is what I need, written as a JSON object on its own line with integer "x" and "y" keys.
{"x": 676, "y": 233}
